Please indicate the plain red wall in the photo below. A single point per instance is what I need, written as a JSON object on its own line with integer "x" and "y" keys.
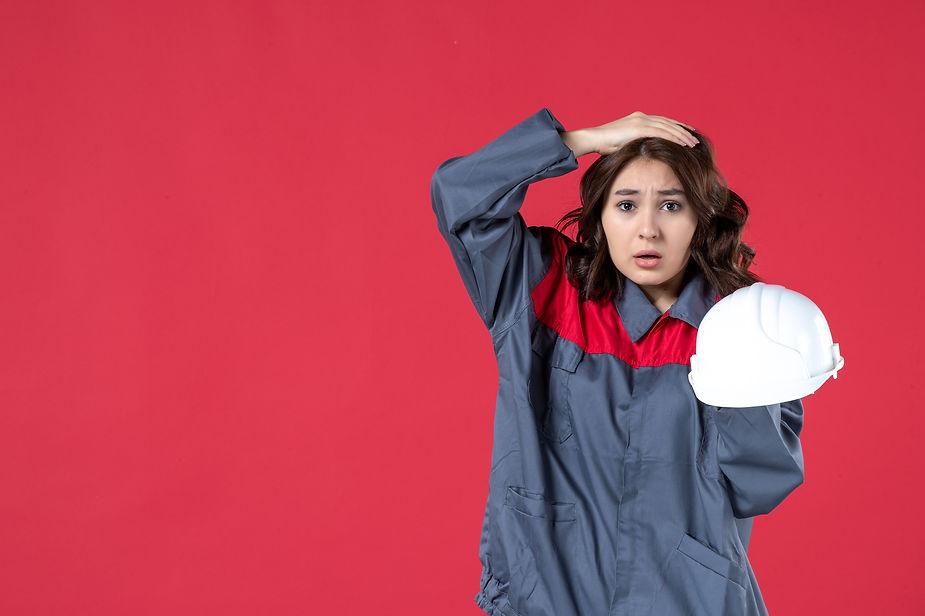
{"x": 240, "y": 374}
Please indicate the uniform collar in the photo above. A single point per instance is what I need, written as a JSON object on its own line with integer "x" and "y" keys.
{"x": 639, "y": 314}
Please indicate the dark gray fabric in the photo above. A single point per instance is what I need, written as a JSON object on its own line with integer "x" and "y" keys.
{"x": 612, "y": 489}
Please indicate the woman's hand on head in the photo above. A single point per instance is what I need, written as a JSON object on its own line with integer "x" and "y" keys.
{"x": 608, "y": 138}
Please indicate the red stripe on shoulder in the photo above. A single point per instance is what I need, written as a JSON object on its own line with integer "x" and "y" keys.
{"x": 596, "y": 326}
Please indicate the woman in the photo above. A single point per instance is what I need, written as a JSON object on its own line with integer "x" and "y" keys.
{"x": 612, "y": 489}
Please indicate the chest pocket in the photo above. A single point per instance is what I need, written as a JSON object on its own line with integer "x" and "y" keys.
{"x": 554, "y": 361}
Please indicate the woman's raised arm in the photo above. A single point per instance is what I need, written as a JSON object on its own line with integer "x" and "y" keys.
{"x": 477, "y": 199}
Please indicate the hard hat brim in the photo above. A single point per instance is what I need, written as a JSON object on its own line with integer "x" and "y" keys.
{"x": 732, "y": 395}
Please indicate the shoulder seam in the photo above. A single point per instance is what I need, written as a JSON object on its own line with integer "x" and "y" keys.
{"x": 514, "y": 320}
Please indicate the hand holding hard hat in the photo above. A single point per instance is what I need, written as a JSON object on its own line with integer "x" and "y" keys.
{"x": 760, "y": 345}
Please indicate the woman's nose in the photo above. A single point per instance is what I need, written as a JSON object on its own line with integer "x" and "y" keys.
{"x": 648, "y": 228}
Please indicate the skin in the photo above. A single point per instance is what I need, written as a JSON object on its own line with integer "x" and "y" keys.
{"x": 637, "y": 217}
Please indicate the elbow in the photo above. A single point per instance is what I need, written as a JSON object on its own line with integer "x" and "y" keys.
{"x": 439, "y": 176}
{"x": 437, "y": 201}
{"x": 763, "y": 496}
{"x": 445, "y": 199}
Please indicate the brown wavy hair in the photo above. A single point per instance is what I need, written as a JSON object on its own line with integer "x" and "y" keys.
{"x": 716, "y": 247}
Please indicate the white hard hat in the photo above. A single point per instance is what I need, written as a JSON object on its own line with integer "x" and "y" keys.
{"x": 762, "y": 344}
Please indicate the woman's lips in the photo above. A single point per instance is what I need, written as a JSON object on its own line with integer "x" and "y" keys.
{"x": 647, "y": 262}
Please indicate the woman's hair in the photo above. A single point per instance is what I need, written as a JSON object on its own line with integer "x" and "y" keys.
{"x": 716, "y": 247}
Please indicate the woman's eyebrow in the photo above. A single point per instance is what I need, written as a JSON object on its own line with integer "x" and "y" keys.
{"x": 633, "y": 191}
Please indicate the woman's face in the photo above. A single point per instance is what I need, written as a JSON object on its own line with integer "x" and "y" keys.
{"x": 646, "y": 209}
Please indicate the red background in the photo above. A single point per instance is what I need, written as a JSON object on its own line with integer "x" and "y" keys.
{"x": 240, "y": 374}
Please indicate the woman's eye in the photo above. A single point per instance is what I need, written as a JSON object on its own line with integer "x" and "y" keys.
{"x": 620, "y": 205}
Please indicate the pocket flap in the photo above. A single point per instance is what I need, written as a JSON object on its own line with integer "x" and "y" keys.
{"x": 712, "y": 560}
{"x": 535, "y": 504}
{"x": 562, "y": 353}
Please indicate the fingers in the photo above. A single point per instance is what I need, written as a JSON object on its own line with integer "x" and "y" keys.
{"x": 675, "y": 121}
{"x": 676, "y": 132}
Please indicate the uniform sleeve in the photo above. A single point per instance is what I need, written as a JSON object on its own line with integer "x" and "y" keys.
{"x": 760, "y": 454}
{"x": 477, "y": 199}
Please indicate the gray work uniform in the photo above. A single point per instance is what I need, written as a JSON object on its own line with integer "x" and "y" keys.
{"x": 613, "y": 491}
